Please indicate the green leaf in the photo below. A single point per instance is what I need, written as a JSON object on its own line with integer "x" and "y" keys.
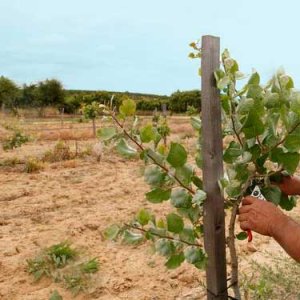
{"x": 124, "y": 149}
{"x": 132, "y": 238}
{"x": 289, "y": 160}
{"x": 286, "y": 81}
{"x": 199, "y": 197}
{"x": 287, "y": 203}
{"x": 272, "y": 100}
{"x": 226, "y": 104}
{"x": 197, "y": 181}
{"x": 295, "y": 104}
{"x": 177, "y": 155}
{"x": 187, "y": 235}
{"x": 192, "y": 213}
{"x": 223, "y": 83}
{"x": 195, "y": 255}
{"x": 106, "y": 133}
{"x": 55, "y": 296}
{"x": 255, "y": 92}
{"x": 232, "y": 152}
{"x": 233, "y": 190}
{"x": 272, "y": 193}
{"x": 245, "y": 106}
{"x": 154, "y": 176}
{"x": 292, "y": 142}
{"x": 147, "y": 134}
{"x": 184, "y": 174}
{"x": 158, "y": 195}
{"x": 175, "y": 223}
{"x": 219, "y": 74}
{"x": 143, "y": 217}
{"x": 253, "y": 126}
{"x": 111, "y": 233}
{"x": 180, "y": 198}
{"x": 254, "y": 79}
{"x": 127, "y": 108}
{"x": 164, "y": 247}
{"x": 199, "y": 159}
{"x": 196, "y": 123}
{"x": 154, "y": 156}
{"x": 175, "y": 261}
{"x": 255, "y": 152}
{"x": 242, "y": 235}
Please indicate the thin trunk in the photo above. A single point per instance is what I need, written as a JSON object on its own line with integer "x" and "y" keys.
{"x": 234, "y": 260}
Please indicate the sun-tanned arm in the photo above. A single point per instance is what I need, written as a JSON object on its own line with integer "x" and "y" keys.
{"x": 265, "y": 218}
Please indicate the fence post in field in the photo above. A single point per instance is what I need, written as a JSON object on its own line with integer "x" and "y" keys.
{"x": 212, "y": 152}
{"x": 62, "y": 117}
{"x": 94, "y": 127}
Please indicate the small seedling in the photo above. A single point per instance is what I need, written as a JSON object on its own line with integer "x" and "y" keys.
{"x": 55, "y": 296}
{"x": 39, "y": 267}
{"x": 61, "y": 253}
{"x": 76, "y": 282}
{"x": 92, "y": 266}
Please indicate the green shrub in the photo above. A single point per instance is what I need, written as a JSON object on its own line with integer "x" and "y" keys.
{"x": 15, "y": 141}
{"x": 179, "y": 101}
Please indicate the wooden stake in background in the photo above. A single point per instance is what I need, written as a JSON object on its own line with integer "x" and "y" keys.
{"x": 212, "y": 151}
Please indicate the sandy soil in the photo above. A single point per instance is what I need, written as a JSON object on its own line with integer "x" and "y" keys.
{"x": 76, "y": 201}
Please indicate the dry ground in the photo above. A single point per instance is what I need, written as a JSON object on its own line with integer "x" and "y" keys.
{"x": 76, "y": 201}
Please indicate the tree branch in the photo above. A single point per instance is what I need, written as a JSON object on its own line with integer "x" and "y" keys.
{"x": 149, "y": 155}
{"x": 283, "y": 140}
{"x": 235, "y": 131}
{"x": 162, "y": 236}
{"x": 231, "y": 241}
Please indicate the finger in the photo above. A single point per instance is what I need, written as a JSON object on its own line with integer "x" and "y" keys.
{"x": 243, "y": 217}
{"x": 245, "y": 225}
{"x": 248, "y": 200}
{"x": 244, "y": 209}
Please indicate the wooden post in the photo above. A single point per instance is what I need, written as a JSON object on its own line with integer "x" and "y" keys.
{"x": 212, "y": 151}
{"x": 94, "y": 127}
{"x": 62, "y": 117}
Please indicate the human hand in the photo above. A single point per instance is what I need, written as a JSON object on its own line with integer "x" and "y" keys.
{"x": 290, "y": 185}
{"x": 260, "y": 216}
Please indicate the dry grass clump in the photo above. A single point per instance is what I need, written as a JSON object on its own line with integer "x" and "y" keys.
{"x": 66, "y": 134}
{"x": 10, "y": 162}
{"x": 32, "y": 165}
{"x": 60, "y": 152}
{"x": 183, "y": 129}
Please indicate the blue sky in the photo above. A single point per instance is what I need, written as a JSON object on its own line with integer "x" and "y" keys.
{"x": 141, "y": 46}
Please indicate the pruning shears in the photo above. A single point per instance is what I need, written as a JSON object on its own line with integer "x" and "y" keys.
{"x": 256, "y": 192}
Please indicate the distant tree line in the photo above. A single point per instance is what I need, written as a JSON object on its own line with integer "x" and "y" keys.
{"x": 50, "y": 92}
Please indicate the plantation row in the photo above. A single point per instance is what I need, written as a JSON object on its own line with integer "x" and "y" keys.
{"x": 50, "y": 92}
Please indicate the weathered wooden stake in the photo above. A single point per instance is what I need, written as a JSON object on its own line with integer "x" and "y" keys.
{"x": 212, "y": 151}
{"x": 94, "y": 127}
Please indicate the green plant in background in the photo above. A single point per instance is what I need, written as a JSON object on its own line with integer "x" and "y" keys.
{"x": 55, "y": 296}
{"x": 278, "y": 280}
{"x": 60, "y": 152}
{"x": 191, "y": 110}
{"x": 91, "y": 111}
{"x": 59, "y": 262}
{"x": 60, "y": 254}
{"x": 15, "y": 141}
{"x": 262, "y": 125}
